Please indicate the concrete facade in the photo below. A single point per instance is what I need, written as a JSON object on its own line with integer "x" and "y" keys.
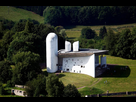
{"x": 52, "y": 52}
{"x": 82, "y": 61}
{"x": 84, "y": 65}
{"x": 19, "y": 92}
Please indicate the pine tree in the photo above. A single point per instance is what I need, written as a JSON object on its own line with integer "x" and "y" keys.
{"x": 29, "y": 27}
{"x": 102, "y": 32}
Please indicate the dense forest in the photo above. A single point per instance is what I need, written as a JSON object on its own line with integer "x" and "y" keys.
{"x": 85, "y": 15}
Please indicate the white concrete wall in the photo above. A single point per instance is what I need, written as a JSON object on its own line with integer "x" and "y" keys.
{"x": 103, "y": 61}
{"x": 85, "y": 65}
{"x": 76, "y": 46}
{"x": 52, "y": 52}
{"x": 67, "y": 46}
{"x": 18, "y": 92}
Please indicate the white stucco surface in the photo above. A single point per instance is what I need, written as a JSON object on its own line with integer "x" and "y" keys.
{"x": 76, "y": 46}
{"x": 85, "y": 65}
{"x": 67, "y": 46}
{"x": 52, "y": 52}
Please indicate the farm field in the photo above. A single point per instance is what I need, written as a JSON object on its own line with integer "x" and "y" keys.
{"x": 15, "y": 14}
{"x": 73, "y": 32}
{"x": 102, "y": 84}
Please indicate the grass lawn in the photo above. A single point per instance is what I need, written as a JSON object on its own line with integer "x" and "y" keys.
{"x": 73, "y": 32}
{"x": 16, "y": 14}
{"x": 78, "y": 80}
{"x": 114, "y": 84}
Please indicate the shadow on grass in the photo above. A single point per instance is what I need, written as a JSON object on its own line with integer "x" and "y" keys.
{"x": 61, "y": 75}
{"x": 71, "y": 38}
{"x": 69, "y": 26}
{"x": 116, "y": 71}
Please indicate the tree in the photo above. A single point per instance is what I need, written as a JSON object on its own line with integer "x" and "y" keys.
{"x": 133, "y": 46}
{"x": 63, "y": 33}
{"x": 87, "y": 33}
{"x": 29, "y": 27}
{"x": 26, "y": 67}
{"x": 6, "y": 39}
{"x": 58, "y": 28}
{"x": 25, "y": 42}
{"x": 110, "y": 42}
{"x": 5, "y": 71}
{"x": 54, "y": 87}
{"x": 53, "y": 16}
{"x": 36, "y": 86}
{"x": 2, "y": 91}
{"x": 71, "y": 91}
{"x": 123, "y": 44}
{"x": 1, "y": 29}
{"x": 102, "y": 32}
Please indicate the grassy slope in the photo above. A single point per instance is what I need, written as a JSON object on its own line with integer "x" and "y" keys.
{"x": 16, "y": 14}
{"x": 73, "y": 32}
{"x": 114, "y": 84}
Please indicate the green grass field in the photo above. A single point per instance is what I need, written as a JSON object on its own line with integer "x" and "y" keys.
{"x": 114, "y": 84}
{"x": 16, "y": 14}
{"x": 73, "y": 32}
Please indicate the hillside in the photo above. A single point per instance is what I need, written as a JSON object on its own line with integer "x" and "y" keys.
{"x": 73, "y": 32}
{"x": 15, "y": 14}
{"x": 118, "y": 81}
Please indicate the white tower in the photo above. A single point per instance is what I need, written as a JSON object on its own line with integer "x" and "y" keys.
{"x": 76, "y": 46}
{"x": 67, "y": 46}
{"x": 52, "y": 52}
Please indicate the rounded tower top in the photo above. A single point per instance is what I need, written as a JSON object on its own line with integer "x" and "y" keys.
{"x": 51, "y": 37}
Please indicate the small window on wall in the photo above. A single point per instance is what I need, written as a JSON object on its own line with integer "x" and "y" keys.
{"x": 74, "y": 70}
{"x": 80, "y": 71}
{"x": 67, "y": 69}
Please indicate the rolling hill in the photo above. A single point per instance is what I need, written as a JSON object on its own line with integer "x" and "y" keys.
{"x": 15, "y": 14}
{"x": 73, "y": 32}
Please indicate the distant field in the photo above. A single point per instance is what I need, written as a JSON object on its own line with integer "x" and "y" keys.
{"x": 73, "y": 32}
{"x": 16, "y": 14}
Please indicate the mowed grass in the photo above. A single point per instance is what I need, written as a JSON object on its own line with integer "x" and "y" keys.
{"x": 118, "y": 84}
{"x": 114, "y": 84}
{"x": 73, "y": 32}
{"x": 78, "y": 80}
{"x": 15, "y": 14}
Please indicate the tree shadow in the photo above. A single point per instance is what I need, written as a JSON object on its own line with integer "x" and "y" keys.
{"x": 71, "y": 38}
{"x": 60, "y": 75}
{"x": 69, "y": 26}
{"x": 116, "y": 71}
{"x": 45, "y": 73}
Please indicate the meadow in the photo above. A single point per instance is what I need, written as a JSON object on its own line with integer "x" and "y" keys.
{"x": 15, "y": 14}
{"x": 102, "y": 84}
{"x": 73, "y": 32}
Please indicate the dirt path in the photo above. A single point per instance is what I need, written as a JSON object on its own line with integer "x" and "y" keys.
{"x": 99, "y": 79}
